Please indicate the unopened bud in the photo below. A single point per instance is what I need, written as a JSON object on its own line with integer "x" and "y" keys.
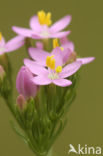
{"x": 64, "y": 40}
{"x": 21, "y": 102}
{"x": 72, "y": 57}
{"x": 24, "y": 84}
{"x": 39, "y": 45}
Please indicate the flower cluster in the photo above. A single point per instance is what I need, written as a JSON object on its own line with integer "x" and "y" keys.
{"x": 47, "y": 81}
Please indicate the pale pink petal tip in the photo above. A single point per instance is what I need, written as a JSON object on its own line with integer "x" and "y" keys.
{"x": 62, "y": 82}
{"x": 86, "y": 60}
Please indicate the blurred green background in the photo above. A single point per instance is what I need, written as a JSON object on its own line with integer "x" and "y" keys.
{"x": 85, "y": 118}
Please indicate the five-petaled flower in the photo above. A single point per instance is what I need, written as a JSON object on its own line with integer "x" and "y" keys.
{"x": 53, "y": 73}
{"x": 41, "y": 27}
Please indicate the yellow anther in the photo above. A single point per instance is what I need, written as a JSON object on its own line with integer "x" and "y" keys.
{"x": 50, "y": 62}
{"x": 0, "y": 36}
{"x": 58, "y": 69}
{"x": 48, "y": 19}
{"x": 55, "y": 43}
{"x": 51, "y": 56}
{"x": 44, "y": 19}
{"x": 61, "y": 48}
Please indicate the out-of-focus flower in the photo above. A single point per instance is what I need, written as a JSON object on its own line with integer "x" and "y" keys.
{"x": 24, "y": 84}
{"x": 65, "y": 43}
{"x": 2, "y": 73}
{"x": 54, "y": 72}
{"x": 11, "y": 45}
{"x": 21, "y": 102}
{"x": 41, "y": 29}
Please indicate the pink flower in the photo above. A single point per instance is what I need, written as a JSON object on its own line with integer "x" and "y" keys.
{"x": 40, "y": 55}
{"x": 24, "y": 84}
{"x": 40, "y": 27}
{"x": 66, "y": 44}
{"x": 11, "y": 45}
{"x": 53, "y": 73}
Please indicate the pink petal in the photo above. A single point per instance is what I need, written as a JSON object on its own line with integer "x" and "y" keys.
{"x": 86, "y": 60}
{"x": 64, "y": 40}
{"x": 41, "y": 80}
{"x": 60, "y": 34}
{"x": 69, "y": 45}
{"x": 2, "y": 42}
{"x": 62, "y": 82}
{"x": 35, "y": 68}
{"x": 61, "y": 24}
{"x": 38, "y": 55}
{"x": 65, "y": 54}
{"x": 57, "y": 52}
{"x": 14, "y": 43}
{"x": 14, "y": 47}
{"x": 70, "y": 69}
{"x": 37, "y": 36}
{"x": 2, "y": 46}
{"x": 34, "y": 24}
{"x": 23, "y": 31}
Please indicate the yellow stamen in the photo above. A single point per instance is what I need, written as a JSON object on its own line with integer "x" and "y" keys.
{"x": 50, "y": 62}
{"x": 48, "y": 19}
{"x": 58, "y": 69}
{"x": 55, "y": 43}
{"x": 44, "y": 19}
{"x": 0, "y": 36}
{"x": 48, "y": 59}
{"x": 52, "y": 65}
{"x": 61, "y": 48}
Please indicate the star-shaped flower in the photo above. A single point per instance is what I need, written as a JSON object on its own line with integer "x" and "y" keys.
{"x": 53, "y": 72}
{"x": 41, "y": 28}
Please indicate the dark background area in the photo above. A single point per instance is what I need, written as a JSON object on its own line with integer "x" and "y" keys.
{"x": 85, "y": 118}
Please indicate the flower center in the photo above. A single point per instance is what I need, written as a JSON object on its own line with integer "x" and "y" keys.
{"x": 0, "y": 36}
{"x": 54, "y": 71}
{"x": 56, "y": 44}
{"x": 45, "y": 33}
{"x": 44, "y": 18}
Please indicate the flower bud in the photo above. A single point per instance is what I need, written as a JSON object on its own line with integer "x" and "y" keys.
{"x": 72, "y": 57}
{"x": 39, "y": 45}
{"x": 21, "y": 102}
{"x": 64, "y": 40}
{"x": 24, "y": 84}
{"x": 2, "y": 73}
